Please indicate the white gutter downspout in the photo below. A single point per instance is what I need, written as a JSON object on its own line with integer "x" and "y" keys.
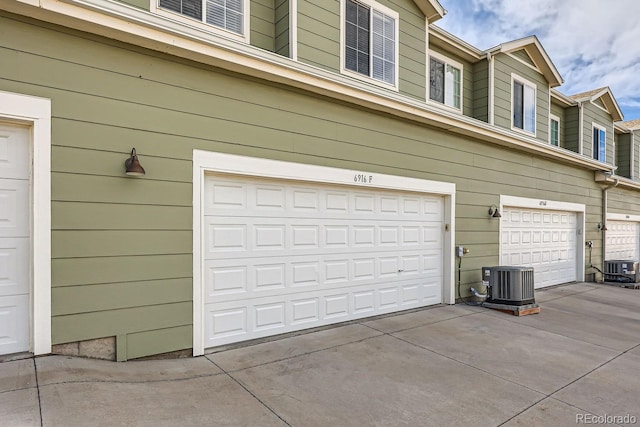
{"x": 605, "y": 208}
{"x": 580, "y": 127}
{"x": 491, "y": 66}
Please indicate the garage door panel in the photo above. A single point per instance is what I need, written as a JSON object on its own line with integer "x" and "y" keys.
{"x": 544, "y": 240}
{"x": 623, "y": 240}
{"x": 284, "y": 256}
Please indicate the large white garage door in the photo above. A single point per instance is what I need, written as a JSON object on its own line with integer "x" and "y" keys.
{"x": 281, "y": 256}
{"x": 542, "y": 239}
{"x": 622, "y": 240}
{"x": 14, "y": 239}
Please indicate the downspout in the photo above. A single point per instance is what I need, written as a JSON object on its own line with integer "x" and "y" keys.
{"x": 605, "y": 208}
{"x": 491, "y": 94}
{"x": 580, "y": 128}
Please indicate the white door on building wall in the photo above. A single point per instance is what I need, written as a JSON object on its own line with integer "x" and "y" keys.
{"x": 14, "y": 239}
{"x": 623, "y": 240}
{"x": 542, "y": 239}
{"x": 281, "y": 256}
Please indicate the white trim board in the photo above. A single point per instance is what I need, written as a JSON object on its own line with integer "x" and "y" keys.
{"x": 205, "y": 161}
{"x": 36, "y": 113}
{"x": 622, "y": 217}
{"x": 579, "y": 208}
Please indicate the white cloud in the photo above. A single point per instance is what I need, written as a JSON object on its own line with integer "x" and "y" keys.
{"x": 593, "y": 43}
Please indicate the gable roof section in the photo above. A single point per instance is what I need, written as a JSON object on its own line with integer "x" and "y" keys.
{"x": 432, "y": 9}
{"x": 607, "y": 98}
{"x": 631, "y": 124}
{"x": 538, "y": 55}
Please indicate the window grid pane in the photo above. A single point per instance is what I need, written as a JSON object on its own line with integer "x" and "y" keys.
{"x": 357, "y": 38}
{"x": 555, "y": 134}
{"x": 383, "y": 41}
{"x": 518, "y": 107}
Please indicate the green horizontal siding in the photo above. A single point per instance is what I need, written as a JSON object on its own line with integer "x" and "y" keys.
{"x": 623, "y": 154}
{"x": 122, "y": 261}
{"x": 504, "y": 66}
{"x": 480, "y": 93}
{"x": 282, "y": 30}
{"x": 262, "y": 24}
{"x": 572, "y": 129}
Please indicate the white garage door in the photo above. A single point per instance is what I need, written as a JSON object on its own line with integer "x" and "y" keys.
{"x": 542, "y": 239}
{"x": 14, "y": 239}
{"x": 622, "y": 240}
{"x": 280, "y": 256}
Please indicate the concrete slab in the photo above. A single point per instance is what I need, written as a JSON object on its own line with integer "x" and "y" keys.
{"x": 549, "y": 412}
{"x": 555, "y": 292}
{"x": 620, "y": 309}
{"x": 61, "y": 369}
{"x": 534, "y": 358}
{"x": 217, "y": 400}
{"x": 259, "y": 354}
{"x": 583, "y": 327}
{"x": 17, "y": 375}
{"x": 417, "y": 318}
{"x": 613, "y": 389}
{"x": 383, "y": 381}
{"x": 20, "y": 408}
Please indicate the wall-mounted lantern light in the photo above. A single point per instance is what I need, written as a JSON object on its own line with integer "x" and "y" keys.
{"x": 494, "y": 212}
{"x": 132, "y": 165}
{"x": 602, "y": 227}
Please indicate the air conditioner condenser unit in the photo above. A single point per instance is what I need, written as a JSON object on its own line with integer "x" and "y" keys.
{"x": 509, "y": 285}
{"x": 622, "y": 271}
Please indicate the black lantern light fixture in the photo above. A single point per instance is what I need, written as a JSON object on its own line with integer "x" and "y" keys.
{"x": 132, "y": 165}
{"x": 494, "y": 212}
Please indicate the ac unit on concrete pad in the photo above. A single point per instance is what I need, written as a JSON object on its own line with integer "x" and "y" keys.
{"x": 509, "y": 285}
{"x": 622, "y": 271}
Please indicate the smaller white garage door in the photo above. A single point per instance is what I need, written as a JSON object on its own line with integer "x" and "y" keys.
{"x": 542, "y": 239}
{"x": 622, "y": 240}
{"x": 281, "y": 256}
{"x": 14, "y": 239}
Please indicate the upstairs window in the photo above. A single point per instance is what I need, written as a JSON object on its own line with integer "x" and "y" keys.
{"x": 554, "y": 130}
{"x": 599, "y": 143}
{"x": 227, "y": 15}
{"x": 371, "y": 40}
{"x": 445, "y": 81}
{"x": 524, "y": 105}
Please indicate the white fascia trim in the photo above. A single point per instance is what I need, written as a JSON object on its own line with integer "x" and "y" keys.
{"x": 622, "y": 217}
{"x": 206, "y": 161}
{"x": 132, "y": 25}
{"x": 369, "y": 79}
{"x": 579, "y": 208}
{"x": 36, "y": 112}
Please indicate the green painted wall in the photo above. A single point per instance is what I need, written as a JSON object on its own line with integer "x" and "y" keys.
{"x": 262, "y": 24}
{"x": 481, "y": 90}
{"x": 623, "y": 154}
{"x": 319, "y": 40}
{"x": 122, "y": 258}
{"x": 523, "y": 56}
{"x": 636, "y": 156}
{"x": 505, "y": 65}
{"x": 593, "y": 114}
{"x": 142, "y": 4}
{"x": 467, "y": 80}
{"x": 572, "y": 129}
{"x": 282, "y": 29}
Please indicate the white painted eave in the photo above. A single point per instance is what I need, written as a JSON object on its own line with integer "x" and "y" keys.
{"x": 617, "y": 181}
{"x": 131, "y": 25}
{"x": 451, "y": 43}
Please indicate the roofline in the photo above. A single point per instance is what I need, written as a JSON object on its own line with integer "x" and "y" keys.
{"x": 563, "y": 98}
{"x": 432, "y": 9}
{"x": 466, "y": 50}
{"x": 613, "y": 103}
{"x": 547, "y": 67}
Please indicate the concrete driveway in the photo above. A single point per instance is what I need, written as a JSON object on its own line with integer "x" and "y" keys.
{"x": 579, "y": 359}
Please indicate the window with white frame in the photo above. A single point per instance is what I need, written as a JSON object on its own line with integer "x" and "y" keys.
{"x": 599, "y": 143}
{"x": 523, "y": 104}
{"x": 554, "y": 130}
{"x": 445, "y": 81}
{"x": 370, "y": 40}
{"x": 229, "y": 15}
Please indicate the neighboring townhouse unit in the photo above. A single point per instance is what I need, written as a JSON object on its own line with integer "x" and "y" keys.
{"x": 307, "y": 163}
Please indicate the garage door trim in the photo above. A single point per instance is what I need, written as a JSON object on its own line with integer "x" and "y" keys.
{"x": 622, "y": 218}
{"x": 539, "y": 204}
{"x": 205, "y": 161}
{"x": 36, "y": 113}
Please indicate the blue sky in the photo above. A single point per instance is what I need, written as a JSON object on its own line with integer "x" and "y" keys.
{"x": 593, "y": 43}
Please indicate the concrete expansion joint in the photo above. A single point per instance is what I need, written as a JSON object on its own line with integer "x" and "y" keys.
{"x": 168, "y": 380}
{"x": 234, "y": 379}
